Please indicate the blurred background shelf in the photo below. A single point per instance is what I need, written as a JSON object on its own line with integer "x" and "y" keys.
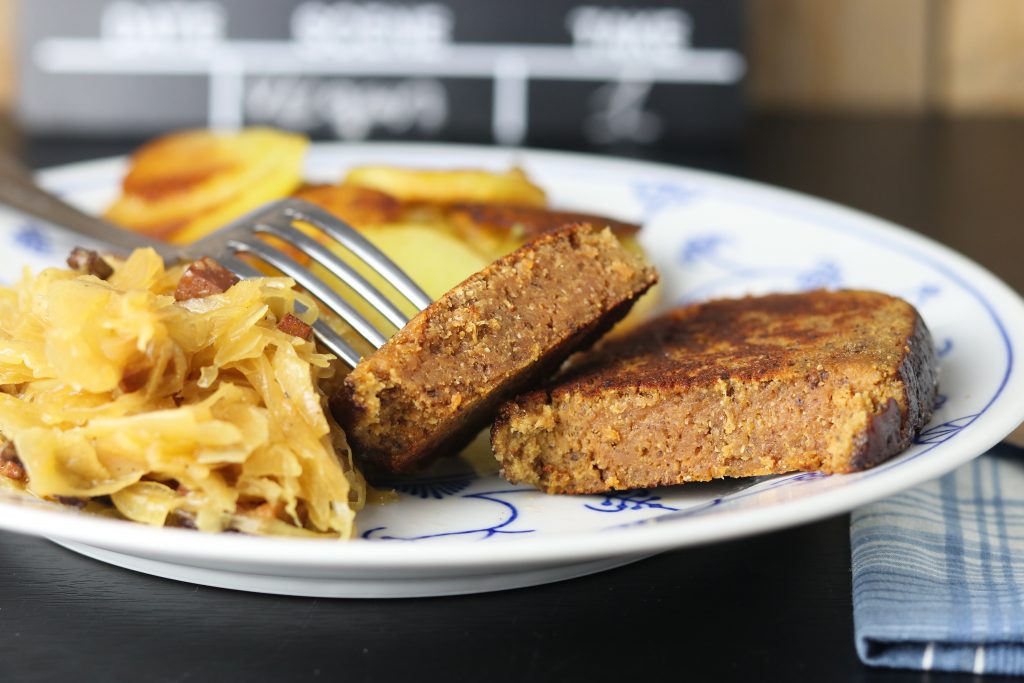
{"x": 912, "y": 57}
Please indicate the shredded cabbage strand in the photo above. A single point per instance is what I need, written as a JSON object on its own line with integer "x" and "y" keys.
{"x": 198, "y": 412}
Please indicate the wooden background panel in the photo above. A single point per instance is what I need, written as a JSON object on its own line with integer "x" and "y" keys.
{"x": 957, "y": 57}
{"x": 7, "y": 48}
{"x": 980, "y": 56}
{"x": 868, "y": 55}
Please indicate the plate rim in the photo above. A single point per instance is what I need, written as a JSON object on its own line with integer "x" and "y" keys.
{"x": 566, "y": 546}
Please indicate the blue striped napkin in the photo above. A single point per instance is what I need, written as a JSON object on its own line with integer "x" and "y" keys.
{"x": 938, "y": 571}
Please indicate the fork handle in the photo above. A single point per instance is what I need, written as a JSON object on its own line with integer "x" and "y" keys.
{"x": 19, "y": 191}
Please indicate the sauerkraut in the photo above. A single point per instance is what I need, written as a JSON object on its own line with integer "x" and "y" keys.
{"x": 192, "y": 413}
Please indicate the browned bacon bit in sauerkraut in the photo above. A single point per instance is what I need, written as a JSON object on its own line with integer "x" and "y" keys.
{"x": 199, "y": 412}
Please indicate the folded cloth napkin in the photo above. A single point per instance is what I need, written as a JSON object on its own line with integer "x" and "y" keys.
{"x": 938, "y": 572}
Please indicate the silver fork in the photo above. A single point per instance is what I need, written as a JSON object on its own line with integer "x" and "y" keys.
{"x": 243, "y": 236}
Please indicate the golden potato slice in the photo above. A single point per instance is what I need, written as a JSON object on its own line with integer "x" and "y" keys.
{"x": 357, "y": 206}
{"x": 497, "y": 229}
{"x": 434, "y": 259}
{"x": 428, "y": 251}
{"x": 183, "y": 185}
{"x": 449, "y": 186}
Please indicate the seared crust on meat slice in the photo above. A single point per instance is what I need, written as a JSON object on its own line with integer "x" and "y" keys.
{"x": 818, "y": 381}
{"x": 434, "y": 385}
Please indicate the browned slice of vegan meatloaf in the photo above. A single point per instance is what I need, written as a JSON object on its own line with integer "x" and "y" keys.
{"x": 434, "y": 385}
{"x": 826, "y": 381}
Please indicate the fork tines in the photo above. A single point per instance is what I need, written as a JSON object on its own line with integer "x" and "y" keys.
{"x": 277, "y": 220}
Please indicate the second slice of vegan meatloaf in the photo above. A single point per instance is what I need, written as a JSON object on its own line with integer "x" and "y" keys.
{"x": 816, "y": 381}
{"x": 434, "y": 385}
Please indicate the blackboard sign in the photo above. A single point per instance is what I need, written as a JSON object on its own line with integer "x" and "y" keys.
{"x": 539, "y": 71}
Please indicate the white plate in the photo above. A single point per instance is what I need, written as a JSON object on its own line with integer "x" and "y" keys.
{"x": 456, "y": 532}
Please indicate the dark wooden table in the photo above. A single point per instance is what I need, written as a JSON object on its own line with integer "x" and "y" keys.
{"x": 771, "y": 607}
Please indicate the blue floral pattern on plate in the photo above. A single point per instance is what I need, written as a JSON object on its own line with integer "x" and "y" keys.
{"x": 32, "y": 237}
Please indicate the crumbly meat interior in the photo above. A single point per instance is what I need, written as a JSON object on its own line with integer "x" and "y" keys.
{"x": 438, "y": 380}
{"x": 824, "y": 381}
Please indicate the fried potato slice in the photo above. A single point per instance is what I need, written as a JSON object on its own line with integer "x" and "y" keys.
{"x": 428, "y": 252}
{"x": 497, "y": 229}
{"x": 434, "y": 259}
{"x": 181, "y": 186}
{"x": 449, "y": 186}
{"x": 358, "y": 206}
